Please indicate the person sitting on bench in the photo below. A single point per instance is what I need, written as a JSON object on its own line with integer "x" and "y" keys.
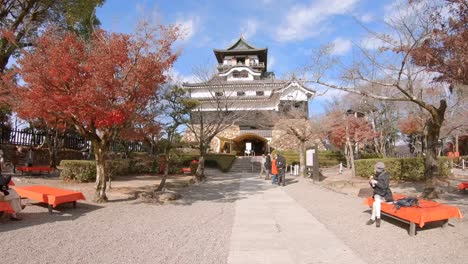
{"x": 382, "y": 192}
{"x": 10, "y": 196}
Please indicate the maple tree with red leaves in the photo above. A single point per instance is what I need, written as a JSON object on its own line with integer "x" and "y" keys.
{"x": 359, "y": 131}
{"x": 97, "y": 86}
{"x": 445, "y": 52}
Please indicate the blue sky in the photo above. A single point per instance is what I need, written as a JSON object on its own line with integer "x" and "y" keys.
{"x": 289, "y": 29}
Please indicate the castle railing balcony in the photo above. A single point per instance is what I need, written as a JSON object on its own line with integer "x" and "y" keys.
{"x": 259, "y": 65}
{"x": 266, "y": 133}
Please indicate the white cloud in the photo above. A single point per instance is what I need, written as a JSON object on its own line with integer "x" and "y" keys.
{"x": 177, "y": 77}
{"x": 401, "y": 10}
{"x": 373, "y": 43}
{"x": 249, "y": 28}
{"x": 341, "y": 46}
{"x": 305, "y": 21}
{"x": 271, "y": 62}
{"x": 366, "y": 18}
{"x": 188, "y": 27}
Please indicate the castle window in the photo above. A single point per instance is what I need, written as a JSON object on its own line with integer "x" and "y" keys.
{"x": 240, "y": 61}
{"x": 240, "y": 93}
{"x": 219, "y": 93}
{"x": 260, "y": 93}
{"x": 240, "y": 74}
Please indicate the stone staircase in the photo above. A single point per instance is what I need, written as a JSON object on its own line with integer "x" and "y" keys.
{"x": 244, "y": 164}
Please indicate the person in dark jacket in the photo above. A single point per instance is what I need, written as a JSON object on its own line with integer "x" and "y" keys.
{"x": 281, "y": 165}
{"x": 382, "y": 192}
{"x": 267, "y": 166}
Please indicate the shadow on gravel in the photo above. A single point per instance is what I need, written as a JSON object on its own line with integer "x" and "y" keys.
{"x": 63, "y": 212}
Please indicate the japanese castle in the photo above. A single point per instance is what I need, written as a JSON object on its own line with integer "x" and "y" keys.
{"x": 245, "y": 84}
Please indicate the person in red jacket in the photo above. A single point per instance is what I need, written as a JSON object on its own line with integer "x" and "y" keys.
{"x": 274, "y": 171}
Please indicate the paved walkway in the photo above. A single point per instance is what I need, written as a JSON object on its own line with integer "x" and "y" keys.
{"x": 271, "y": 227}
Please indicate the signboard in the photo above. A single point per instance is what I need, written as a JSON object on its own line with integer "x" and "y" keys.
{"x": 248, "y": 146}
{"x": 310, "y": 157}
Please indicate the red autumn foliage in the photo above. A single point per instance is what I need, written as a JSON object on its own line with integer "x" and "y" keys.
{"x": 411, "y": 125}
{"x": 359, "y": 131}
{"x": 101, "y": 85}
{"x": 445, "y": 52}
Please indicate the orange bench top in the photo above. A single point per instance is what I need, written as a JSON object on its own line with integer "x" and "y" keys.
{"x": 49, "y": 195}
{"x": 427, "y": 211}
{"x": 5, "y": 207}
{"x": 462, "y": 186}
{"x": 34, "y": 168}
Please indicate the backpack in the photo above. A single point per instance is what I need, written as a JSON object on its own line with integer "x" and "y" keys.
{"x": 406, "y": 202}
{"x": 4, "y": 181}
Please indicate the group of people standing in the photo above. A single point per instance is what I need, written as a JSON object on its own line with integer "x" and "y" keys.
{"x": 274, "y": 166}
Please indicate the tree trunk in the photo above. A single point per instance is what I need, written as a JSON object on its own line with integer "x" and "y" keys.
{"x": 100, "y": 195}
{"x": 163, "y": 180}
{"x": 347, "y": 156}
{"x": 431, "y": 168}
{"x": 302, "y": 157}
{"x": 200, "y": 173}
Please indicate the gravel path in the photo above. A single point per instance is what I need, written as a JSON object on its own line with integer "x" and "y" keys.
{"x": 196, "y": 229}
{"x": 345, "y": 215}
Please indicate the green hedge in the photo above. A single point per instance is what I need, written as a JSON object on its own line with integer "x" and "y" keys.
{"x": 78, "y": 170}
{"x": 329, "y": 158}
{"x": 370, "y": 156}
{"x": 326, "y": 158}
{"x": 290, "y": 156}
{"x": 222, "y": 161}
{"x": 85, "y": 170}
{"x": 405, "y": 169}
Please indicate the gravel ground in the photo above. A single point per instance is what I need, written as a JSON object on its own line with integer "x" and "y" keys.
{"x": 345, "y": 215}
{"x": 195, "y": 229}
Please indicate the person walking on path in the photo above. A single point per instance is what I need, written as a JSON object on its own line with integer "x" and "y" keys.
{"x": 281, "y": 165}
{"x": 382, "y": 192}
{"x": 262, "y": 165}
{"x": 30, "y": 157}
{"x": 267, "y": 166}
{"x": 274, "y": 171}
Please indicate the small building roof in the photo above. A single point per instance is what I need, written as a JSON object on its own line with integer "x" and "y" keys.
{"x": 242, "y": 47}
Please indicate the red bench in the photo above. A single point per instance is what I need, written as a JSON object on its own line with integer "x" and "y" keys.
{"x": 34, "y": 169}
{"x": 5, "y": 206}
{"x": 427, "y": 211}
{"x": 49, "y": 195}
{"x": 462, "y": 186}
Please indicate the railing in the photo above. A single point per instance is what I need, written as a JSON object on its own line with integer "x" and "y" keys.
{"x": 31, "y": 138}
{"x": 259, "y": 132}
{"x": 70, "y": 141}
{"x": 222, "y": 66}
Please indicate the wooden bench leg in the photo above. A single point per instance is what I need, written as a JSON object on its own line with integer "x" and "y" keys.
{"x": 445, "y": 224}
{"x": 412, "y": 229}
{"x": 50, "y": 208}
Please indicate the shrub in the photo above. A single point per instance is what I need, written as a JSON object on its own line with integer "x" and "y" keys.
{"x": 193, "y": 168}
{"x": 222, "y": 161}
{"x": 78, "y": 170}
{"x": 364, "y": 155}
{"x": 326, "y": 158}
{"x": 117, "y": 167}
{"x": 329, "y": 158}
{"x": 406, "y": 169}
{"x": 85, "y": 170}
